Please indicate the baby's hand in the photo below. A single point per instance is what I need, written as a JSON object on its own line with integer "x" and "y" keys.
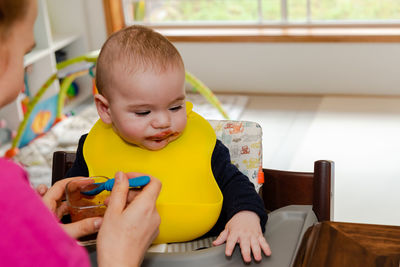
{"x": 244, "y": 228}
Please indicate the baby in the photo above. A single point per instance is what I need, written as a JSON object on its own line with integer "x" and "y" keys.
{"x": 140, "y": 77}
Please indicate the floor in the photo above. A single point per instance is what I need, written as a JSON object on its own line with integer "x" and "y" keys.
{"x": 360, "y": 134}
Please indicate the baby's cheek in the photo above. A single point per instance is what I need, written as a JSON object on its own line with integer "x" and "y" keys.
{"x": 136, "y": 130}
{"x": 182, "y": 124}
{"x": 132, "y": 135}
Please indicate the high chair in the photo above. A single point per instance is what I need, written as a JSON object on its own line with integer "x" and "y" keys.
{"x": 294, "y": 200}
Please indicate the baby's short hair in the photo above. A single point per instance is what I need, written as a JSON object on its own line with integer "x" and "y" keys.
{"x": 134, "y": 48}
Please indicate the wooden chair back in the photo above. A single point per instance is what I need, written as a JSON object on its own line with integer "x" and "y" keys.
{"x": 62, "y": 162}
{"x": 283, "y": 188}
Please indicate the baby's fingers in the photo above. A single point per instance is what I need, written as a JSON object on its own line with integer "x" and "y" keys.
{"x": 265, "y": 246}
{"x": 230, "y": 244}
{"x": 255, "y": 248}
{"x": 245, "y": 249}
{"x": 221, "y": 238}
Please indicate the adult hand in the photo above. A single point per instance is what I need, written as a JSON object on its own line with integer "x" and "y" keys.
{"x": 41, "y": 189}
{"x": 53, "y": 200}
{"x": 128, "y": 229}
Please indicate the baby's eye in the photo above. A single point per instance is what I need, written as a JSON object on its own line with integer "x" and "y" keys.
{"x": 142, "y": 113}
{"x": 176, "y": 108}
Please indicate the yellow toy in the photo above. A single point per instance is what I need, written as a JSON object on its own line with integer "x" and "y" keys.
{"x": 187, "y": 212}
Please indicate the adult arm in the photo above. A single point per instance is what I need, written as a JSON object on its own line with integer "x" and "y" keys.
{"x": 30, "y": 233}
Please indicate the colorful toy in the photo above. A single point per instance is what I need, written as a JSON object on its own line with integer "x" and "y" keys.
{"x": 68, "y": 71}
{"x": 41, "y": 119}
{"x": 73, "y": 90}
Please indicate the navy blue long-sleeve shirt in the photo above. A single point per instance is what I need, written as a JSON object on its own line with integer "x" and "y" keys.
{"x": 239, "y": 193}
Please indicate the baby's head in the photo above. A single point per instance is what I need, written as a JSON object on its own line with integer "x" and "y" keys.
{"x": 140, "y": 77}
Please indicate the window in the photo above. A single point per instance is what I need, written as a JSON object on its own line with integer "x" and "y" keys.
{"x": 260, "y": 12}
{"x": 261, "y": 20}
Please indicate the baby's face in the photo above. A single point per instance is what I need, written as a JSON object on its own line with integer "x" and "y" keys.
{"x": 148, "y": 108}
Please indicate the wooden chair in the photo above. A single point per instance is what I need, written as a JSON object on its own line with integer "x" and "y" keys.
{"x": 62, "y": 162}
{"x": 281, "y": 188}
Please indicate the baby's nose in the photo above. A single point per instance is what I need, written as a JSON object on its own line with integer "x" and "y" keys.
{"x": 162, "y": 120}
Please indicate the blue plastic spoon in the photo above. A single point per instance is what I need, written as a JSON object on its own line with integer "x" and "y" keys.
{"x": 133, "y": 182}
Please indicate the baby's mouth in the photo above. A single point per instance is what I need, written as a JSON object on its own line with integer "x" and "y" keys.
{"x": 162, "y": 136}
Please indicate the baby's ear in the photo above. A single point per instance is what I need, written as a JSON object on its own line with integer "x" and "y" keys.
{"x": 103, "y": 108}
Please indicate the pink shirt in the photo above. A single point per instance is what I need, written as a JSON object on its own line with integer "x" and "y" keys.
{"x": 30, "y": 234}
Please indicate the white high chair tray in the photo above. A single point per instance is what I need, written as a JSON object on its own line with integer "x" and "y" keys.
{"x": 284, "y": 232}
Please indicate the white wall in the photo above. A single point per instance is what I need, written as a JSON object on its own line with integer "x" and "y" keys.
{"x": 310, "y": 68}
{"x": 95, "y": 23}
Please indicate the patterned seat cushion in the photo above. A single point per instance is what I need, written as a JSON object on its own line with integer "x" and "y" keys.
{"x": 244, "y": 141}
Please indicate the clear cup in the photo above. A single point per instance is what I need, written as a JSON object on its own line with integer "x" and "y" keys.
{"x": 81, "y": 206}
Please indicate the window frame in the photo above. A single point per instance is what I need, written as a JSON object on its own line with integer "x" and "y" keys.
{"x": 286, "y": 32}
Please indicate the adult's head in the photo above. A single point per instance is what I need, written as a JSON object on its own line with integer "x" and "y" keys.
{"x": 141, "y": 80}
{"x": 17, "y": 18}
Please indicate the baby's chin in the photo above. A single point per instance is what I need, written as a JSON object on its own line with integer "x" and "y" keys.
{"x": 154, "y": 146}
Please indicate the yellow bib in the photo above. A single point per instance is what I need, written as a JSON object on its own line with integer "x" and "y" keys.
{"x": 190, "y": 200}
